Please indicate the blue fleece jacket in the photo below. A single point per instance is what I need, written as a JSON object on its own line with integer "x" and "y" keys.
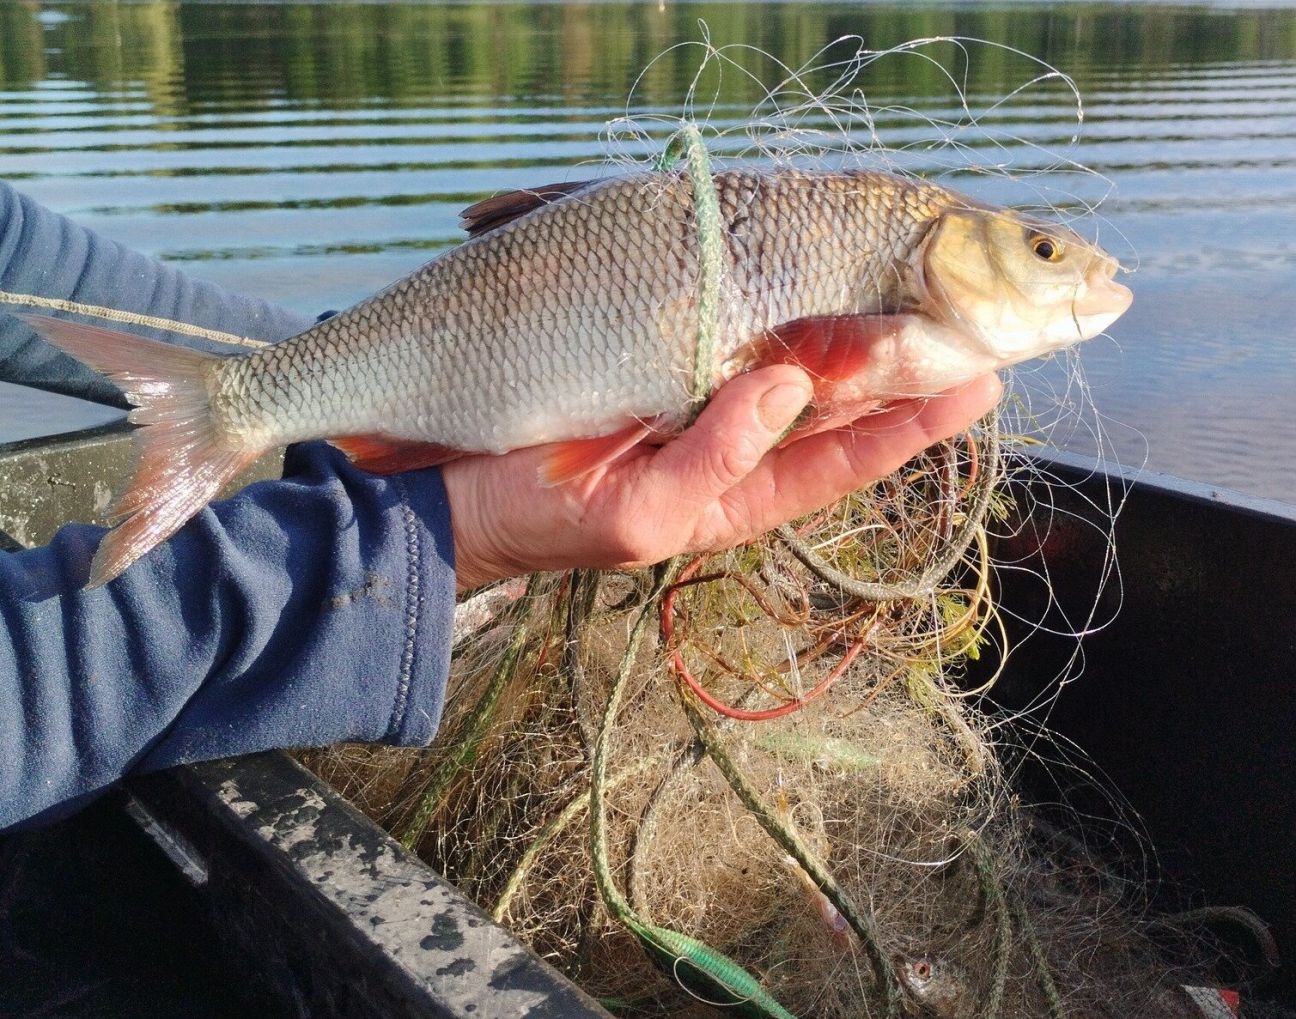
{"x": 301, "y": 612}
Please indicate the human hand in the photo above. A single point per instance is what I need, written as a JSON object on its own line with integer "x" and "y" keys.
{"x": 718, "y": 484}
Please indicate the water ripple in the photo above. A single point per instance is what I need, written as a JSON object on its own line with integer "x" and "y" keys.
{"x": 315, "y": 160}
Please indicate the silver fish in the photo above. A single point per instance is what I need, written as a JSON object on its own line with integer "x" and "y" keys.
{"x": 571, "y": 316}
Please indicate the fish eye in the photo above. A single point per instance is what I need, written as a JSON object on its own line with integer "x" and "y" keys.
{"x": 1045, "y": 247}
{"x": 922, "y": 969}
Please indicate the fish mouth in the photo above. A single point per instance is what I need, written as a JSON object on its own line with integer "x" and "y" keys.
{"x": 1102, "y": 298}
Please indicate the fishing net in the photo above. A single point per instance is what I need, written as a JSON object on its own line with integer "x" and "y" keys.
{"x": 730, "y": 781}
{"x": 761, "y": 780}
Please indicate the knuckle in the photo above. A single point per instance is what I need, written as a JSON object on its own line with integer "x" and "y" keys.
{"x": 739, "y": 520}
{"x": 732, "y": 461}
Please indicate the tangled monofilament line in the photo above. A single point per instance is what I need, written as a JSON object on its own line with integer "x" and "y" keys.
{"x": 784, "y": 774}
{"x": 575, "y": 610}
{"x": 780, "y": 794}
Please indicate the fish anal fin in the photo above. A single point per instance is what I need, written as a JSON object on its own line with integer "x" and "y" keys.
{"x": 382, "y": 454}
{"x": 566, "y": 461}
{"x": 497, "y": 210}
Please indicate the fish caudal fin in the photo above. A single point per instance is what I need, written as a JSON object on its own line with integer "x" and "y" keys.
{"x": 181, "y": 459}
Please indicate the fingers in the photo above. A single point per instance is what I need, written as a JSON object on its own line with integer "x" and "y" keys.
{"x": 823, "y": 468}
{"x": 743, "y": 421}
{"x": 715, "y": 485}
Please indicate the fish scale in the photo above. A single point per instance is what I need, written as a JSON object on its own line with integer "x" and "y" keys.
{"x": 572, "y": 315}
{"x": 565, "y": 323}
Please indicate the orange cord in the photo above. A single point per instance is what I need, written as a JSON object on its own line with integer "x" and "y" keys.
{"x": 727, "y": 710}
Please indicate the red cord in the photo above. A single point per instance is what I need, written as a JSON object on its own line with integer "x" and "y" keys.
{"x": 727, "y": 710}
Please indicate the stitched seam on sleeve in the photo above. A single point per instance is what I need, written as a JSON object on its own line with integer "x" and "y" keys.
{"x": 413, "y": 596}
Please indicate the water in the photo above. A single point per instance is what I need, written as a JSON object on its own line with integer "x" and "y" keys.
{"x": 311, "y": 153}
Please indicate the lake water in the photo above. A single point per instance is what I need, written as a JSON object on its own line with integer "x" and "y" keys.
{"x": 311, "y": 153}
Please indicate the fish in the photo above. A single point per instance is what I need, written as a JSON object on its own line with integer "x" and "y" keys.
{"x": 571, "y": 316}
{"x": 938, "y": 988}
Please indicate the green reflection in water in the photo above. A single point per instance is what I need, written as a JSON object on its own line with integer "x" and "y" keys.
{"x": 190, "y": 57}
{"x": 312, "y": 153}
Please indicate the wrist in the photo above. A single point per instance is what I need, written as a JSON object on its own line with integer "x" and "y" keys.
{"x": 478, "y": 560}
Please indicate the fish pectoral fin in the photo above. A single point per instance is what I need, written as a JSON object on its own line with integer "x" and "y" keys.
{"x": 500, "y": 209}
{"x": 841, "y": 354}
{"x": 382, "y": 454}
{"x": 566, "y": 461}
{"x": 831, "y": 348}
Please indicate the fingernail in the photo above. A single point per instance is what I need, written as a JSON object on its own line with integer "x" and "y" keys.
{"x": 779, "y": 407}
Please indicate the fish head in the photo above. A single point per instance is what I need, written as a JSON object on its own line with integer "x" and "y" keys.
{"x": 936, "y": 985}
{"x": 1018, "y": 286}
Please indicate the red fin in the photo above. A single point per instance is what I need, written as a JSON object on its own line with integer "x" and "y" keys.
{"x": 840, "y": 353}
{"x": 500, "y": 209}
{"x": 577, "y": 457}
{"x": 381, "y": 454}
{"x": 831, "y": 348}
{"x": 182, "y": 461}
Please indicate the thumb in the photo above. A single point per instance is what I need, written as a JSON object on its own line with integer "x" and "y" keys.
{"x": 743, "y": 421}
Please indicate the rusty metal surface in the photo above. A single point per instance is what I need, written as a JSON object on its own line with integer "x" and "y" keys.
{"x": 45, "y": 483}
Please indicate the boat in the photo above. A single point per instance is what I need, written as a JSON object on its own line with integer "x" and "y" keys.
{"x": 249, "y": 887}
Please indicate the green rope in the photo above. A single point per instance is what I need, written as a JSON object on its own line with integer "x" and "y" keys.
{"x": 555, "y": 827}
{"x": 992, "y": 893}
{"x": 649, "y": 820}
{"x": 791, "y": 843}
{"x": 687, "y": 144}
{"x": 709, "y": 975}
{"x": 924, "y": 585}
{"x": 1056, "y": 1006}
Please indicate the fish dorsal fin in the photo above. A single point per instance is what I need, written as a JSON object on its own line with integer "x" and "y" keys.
{"x": 500, "y": 209}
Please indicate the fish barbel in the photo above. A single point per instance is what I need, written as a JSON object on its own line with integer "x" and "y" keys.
{"x": 571, "y": 315}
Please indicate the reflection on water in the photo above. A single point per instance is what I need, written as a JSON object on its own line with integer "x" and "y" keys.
{"x": 311, "y": 153}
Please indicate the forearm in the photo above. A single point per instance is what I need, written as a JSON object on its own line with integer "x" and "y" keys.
{"x": 47, "y": 254}
{"x": 299, "y": 613}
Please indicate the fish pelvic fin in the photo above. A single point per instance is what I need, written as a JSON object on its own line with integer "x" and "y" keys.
{"x": 181, "y": 458}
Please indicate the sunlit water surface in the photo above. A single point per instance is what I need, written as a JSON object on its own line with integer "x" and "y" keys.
{"x": 311, "y": 153}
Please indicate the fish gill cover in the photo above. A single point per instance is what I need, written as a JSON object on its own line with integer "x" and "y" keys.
{"x": 758, "y": 780}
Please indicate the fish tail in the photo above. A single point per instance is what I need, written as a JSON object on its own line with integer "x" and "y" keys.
{"x": 182, "y": 458}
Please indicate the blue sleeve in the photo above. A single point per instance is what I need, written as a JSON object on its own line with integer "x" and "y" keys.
{"x": 299, "y": 613}
{"x": 47, "y": 254}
